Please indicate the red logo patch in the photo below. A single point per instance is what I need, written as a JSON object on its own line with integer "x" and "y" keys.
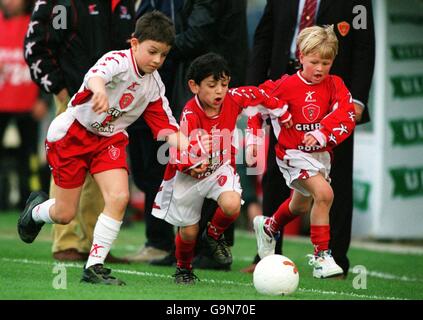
{"x": 311, "y": 112}
{"x": 222, "y": 180}
{"x": 114, "y": 153}
{"x": 125, "y": 100}
{"x": 343, "y": 28}
{"x": 303, "y": 174}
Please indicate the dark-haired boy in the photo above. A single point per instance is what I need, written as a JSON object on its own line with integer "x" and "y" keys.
{"x": 208, "y": 168}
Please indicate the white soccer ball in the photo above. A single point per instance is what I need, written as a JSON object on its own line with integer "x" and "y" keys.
{"x": 276, "y": 275}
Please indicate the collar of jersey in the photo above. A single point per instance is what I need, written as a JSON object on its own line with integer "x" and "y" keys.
{"x": 197, "y": 101}
{"x": 304, "y": 80}
{"x": 134, "y": 63}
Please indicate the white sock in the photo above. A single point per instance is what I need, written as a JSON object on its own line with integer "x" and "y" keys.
{"x": 105, "y": 232}
{"x": 41, "y": 213}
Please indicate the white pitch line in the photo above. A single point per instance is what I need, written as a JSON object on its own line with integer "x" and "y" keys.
{"x": 158, "y": 275}
{"x": 355, "y": 295}
{"x": 389, "y": 276}
{"x": 369, "y": 245}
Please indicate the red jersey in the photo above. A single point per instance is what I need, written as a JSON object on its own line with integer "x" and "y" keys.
{"x": 17, "y": 91}
{"x": 324, "y": 110}
{"x": 195, "y": 122}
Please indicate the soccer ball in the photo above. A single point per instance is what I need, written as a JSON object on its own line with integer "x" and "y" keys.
{"x": 276, "y": 275}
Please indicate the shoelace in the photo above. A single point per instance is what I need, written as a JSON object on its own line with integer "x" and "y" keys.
{"x": 105, "y": 272}
{"x": 186, "y": 275}
{"x": 313, "y": 258}
{"x": 221, "y": 246}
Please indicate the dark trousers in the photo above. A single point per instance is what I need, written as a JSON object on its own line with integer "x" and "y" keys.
{"x": 147, "y": 174}
{"x": 26, "y": 169}
{"x": 340, "y": 217}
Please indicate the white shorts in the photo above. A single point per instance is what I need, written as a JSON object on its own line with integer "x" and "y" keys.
{"x": 298, "y": 165}
{"x": 180, "y": 199}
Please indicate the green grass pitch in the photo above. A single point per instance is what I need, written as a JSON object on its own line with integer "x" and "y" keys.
{"x": 28, "y": 272}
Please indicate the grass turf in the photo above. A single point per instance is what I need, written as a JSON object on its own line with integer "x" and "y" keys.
{"x": 28, "y": 272}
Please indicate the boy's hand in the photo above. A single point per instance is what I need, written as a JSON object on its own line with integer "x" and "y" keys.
{"x": 100, "y": 102}
{"x": 358, "y": 112}
{"x": 206, "y": 142}
{"x": 286, "y": 119}
{"x": 199, "y": 170}
{"x": 309, "y": 140}
{"x": 288, "y": 124}
{"x": 39, "y": 110}
{"x": 251, "y": 155}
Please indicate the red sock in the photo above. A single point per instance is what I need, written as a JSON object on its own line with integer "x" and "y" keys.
{"x": 184, "y": 252}
{"x": 220, "y": 223}
{"x": 281, "y": 217}
{"x": 320, "y": 236}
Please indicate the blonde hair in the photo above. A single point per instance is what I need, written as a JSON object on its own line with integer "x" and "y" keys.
{"x": 321, "y": 40}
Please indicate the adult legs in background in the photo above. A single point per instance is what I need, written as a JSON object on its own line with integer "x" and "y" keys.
{"x": 342, "y": 207}
{"x": 275, "y": 192}
{"x": 147, "y": 175}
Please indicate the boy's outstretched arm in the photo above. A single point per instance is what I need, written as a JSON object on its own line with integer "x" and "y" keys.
{"x": 256, "y": 100}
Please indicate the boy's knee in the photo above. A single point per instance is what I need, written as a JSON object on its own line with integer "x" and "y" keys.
{"x": 64, "y": 216}
{"x": 324, "y": 196}
{"x": 189, "y": 234}
{"x": 118, "y": 199}
{"x": 231, "y": 205}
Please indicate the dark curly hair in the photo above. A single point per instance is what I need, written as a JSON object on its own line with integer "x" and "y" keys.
{"x": 206, "y": 65}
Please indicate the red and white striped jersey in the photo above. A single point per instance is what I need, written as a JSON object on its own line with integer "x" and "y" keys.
{"x": 325, "y": 110}
{"x": 130, "y": 96}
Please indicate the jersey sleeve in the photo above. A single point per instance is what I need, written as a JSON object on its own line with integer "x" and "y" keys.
{"x": 255, "y": 100}
{"x": 159, "y": 118}
{"x": 109, "y": 65}
{"x": 339, "y": 124}
{"x": 42, "y": 45}
{"x": 254, "y": 132}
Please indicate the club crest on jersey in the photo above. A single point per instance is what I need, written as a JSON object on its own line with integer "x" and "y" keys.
{"x": 343, "y": 28}
{"x": 114, "y": 153}
{"x": 311, "y": 112}
{"x": 222, "y": 180}
{"x": 125, "y": 100}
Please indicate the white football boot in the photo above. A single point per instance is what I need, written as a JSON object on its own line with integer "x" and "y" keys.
{"x": 265, "y": 243}
{"x": 324, "y": 266}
